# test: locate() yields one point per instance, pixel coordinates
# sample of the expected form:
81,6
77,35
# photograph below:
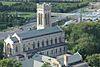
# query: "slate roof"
74,58
37,33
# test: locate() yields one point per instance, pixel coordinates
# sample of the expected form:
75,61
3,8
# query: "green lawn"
24,14
8,3
21,14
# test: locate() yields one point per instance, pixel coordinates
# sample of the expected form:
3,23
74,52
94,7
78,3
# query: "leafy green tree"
84,37
93,60
46,64
31,6
1,49
10,63
67,7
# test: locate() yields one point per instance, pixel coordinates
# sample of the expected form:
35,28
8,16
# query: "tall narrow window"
51,41
39,18
60,39
9,49
33,45
23,47
56,50
48,18
42,43
55,40
45,18
38,45
29,46
51,51
60,49
47,42
16,49
47,53
64,48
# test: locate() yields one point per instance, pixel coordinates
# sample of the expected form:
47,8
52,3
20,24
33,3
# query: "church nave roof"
37,33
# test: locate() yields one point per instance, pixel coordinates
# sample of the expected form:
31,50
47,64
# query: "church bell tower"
43,15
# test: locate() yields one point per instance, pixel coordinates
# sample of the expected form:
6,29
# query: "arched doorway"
8,50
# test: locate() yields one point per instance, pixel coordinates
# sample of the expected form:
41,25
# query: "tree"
46,64
84,37
1,49
10,63
93,60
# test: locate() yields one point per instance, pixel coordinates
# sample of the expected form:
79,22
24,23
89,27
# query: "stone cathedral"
46,40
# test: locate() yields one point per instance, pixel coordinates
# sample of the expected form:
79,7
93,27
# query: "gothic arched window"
9,51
